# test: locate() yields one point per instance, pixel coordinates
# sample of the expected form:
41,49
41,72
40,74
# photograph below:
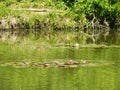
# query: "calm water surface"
103,77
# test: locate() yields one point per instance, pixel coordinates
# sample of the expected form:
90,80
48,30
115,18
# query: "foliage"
102,9
66,15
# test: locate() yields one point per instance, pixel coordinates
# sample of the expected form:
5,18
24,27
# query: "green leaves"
105,9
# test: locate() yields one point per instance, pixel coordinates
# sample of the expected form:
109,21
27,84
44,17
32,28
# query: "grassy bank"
81,12
60,22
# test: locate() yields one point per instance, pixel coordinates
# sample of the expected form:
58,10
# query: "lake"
84,77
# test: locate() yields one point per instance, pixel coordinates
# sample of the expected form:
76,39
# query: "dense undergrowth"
104,11
68,22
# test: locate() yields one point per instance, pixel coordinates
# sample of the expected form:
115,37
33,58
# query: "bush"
102,9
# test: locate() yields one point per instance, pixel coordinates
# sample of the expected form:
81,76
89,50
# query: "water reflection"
84,53
102,77
81,78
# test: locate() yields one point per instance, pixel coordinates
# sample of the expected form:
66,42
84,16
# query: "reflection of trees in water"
101,33
96,31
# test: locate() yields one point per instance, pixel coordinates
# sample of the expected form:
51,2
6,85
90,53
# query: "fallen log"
34,9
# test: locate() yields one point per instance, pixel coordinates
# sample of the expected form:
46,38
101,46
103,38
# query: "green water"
103,77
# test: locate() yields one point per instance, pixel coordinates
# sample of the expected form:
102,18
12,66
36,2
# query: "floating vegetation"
69,64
